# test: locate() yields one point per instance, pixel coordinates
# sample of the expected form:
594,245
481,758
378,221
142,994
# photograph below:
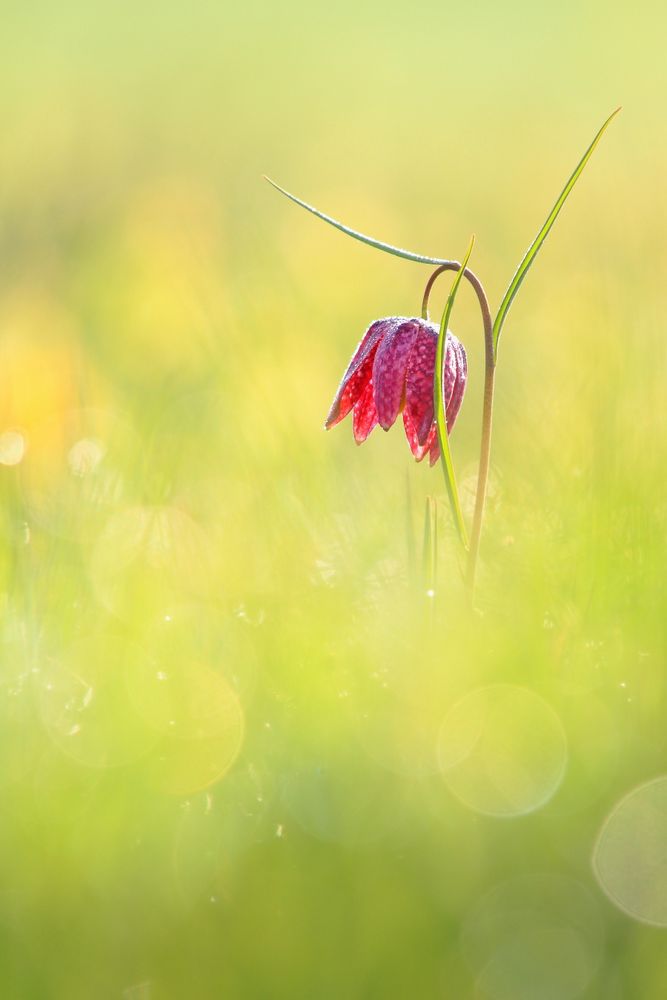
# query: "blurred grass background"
242,752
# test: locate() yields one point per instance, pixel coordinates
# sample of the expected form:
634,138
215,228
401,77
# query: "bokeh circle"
630,856
502,750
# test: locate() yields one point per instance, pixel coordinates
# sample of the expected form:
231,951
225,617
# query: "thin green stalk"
484,459
487,411
439,401
427,546
410,530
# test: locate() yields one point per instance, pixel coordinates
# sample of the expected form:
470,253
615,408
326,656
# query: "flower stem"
484,461
487,412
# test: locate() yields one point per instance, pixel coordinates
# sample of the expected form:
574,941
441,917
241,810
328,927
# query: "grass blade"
427,546
410,531
386,247
441,416
531,252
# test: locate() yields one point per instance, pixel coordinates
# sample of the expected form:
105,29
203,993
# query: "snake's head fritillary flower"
391,371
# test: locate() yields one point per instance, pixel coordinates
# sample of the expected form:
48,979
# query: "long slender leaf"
386,247
532,250
440,411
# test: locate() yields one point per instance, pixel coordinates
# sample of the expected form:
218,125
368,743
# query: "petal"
411,435
432,437
417,449
419,381
350,390
389,370
458,389
434,451
364,415
449,379
359,369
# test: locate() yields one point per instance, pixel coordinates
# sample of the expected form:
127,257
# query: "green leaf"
440,412
531,252
386,247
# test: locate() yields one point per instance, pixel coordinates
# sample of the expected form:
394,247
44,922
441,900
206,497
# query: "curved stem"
453,265
487,411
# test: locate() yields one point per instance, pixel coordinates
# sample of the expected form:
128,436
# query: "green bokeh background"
224,688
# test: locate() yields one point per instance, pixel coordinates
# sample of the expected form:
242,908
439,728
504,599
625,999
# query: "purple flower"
392,371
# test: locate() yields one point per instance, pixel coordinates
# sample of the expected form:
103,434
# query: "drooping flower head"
392,370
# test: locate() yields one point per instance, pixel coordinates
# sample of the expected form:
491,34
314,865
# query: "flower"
392,371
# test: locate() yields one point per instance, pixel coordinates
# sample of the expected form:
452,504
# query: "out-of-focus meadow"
250,747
